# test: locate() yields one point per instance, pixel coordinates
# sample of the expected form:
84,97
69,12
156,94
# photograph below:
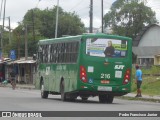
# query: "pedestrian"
12,79
138,81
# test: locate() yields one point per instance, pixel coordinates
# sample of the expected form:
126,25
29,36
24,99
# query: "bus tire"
110,98
84,98
72,99
106,98
44,94
102,98
63,94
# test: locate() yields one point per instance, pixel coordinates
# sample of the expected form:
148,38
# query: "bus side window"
71,53
43,57
56,53
62,52
65,52
77,51
46,53
51,49
58,50
49,53
53,53
75,48
40,54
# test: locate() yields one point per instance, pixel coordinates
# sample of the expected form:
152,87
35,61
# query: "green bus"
76,66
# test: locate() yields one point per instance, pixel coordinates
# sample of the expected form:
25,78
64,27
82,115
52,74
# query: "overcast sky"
16,9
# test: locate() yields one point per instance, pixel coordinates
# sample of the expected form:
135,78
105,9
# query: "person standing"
12,79
138,81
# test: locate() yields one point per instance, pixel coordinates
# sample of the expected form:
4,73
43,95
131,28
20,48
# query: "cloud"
154,4
16,9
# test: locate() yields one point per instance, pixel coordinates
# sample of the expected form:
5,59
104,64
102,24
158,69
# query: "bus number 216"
103,75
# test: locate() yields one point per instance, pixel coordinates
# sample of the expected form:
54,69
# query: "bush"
154,70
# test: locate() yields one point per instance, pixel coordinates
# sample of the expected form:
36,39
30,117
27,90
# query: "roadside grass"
150,85
140,99
151,81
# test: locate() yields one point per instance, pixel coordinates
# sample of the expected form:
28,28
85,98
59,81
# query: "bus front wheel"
63,94
106,98
44,94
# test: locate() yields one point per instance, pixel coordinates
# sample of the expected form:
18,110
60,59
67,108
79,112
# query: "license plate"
102,88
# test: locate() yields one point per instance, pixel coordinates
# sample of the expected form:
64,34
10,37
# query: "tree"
128,17
45,21
41,24
70,24
5,41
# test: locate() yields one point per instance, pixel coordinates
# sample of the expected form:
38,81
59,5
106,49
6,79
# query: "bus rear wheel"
44,94
106,98
84,98
63,94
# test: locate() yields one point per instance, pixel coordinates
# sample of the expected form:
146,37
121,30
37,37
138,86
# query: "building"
146,46
25,70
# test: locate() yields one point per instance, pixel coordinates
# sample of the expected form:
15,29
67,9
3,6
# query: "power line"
76,5
38,3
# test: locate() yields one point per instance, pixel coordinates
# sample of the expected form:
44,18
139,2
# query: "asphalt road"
30,100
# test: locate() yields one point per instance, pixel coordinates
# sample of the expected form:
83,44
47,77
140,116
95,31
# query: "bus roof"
105,35
54,40
78,37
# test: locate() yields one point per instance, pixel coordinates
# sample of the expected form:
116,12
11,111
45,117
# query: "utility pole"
26,43
4,13
91,16
102,16
2,30
9,22
33,25
56,29
18,44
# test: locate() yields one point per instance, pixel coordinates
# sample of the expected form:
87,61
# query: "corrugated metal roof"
24,61
141,33
21,62
146,51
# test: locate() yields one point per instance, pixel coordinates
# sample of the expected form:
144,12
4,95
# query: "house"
146,46
25,70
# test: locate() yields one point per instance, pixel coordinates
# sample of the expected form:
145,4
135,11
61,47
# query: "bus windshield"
103,47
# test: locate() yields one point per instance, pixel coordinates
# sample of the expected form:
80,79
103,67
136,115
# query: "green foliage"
70,24
44,22
128,18
150,85
151,81
155,70
5,42
40,24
